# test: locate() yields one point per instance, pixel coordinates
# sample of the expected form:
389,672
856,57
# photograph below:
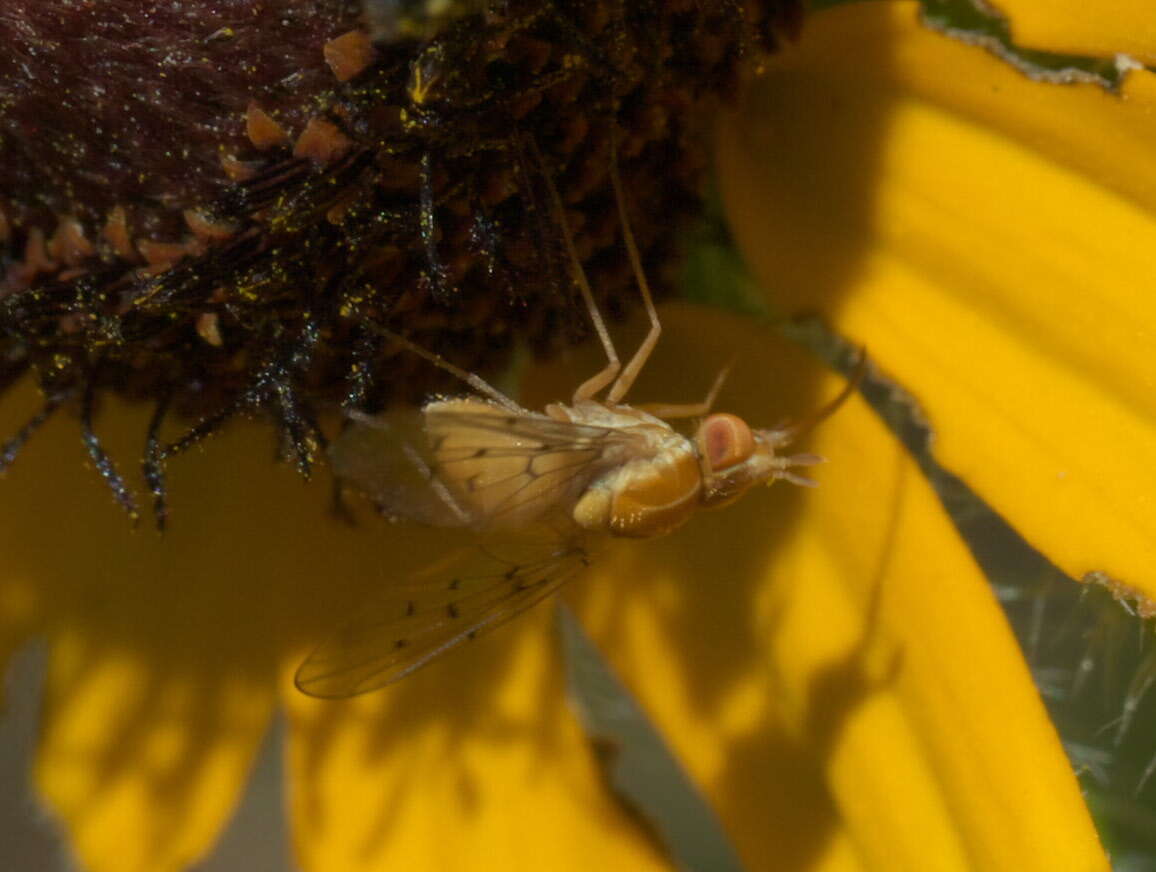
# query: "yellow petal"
479,757
164,663
475,762
1069,26
991,240
19,605
160,684
143,764
831,733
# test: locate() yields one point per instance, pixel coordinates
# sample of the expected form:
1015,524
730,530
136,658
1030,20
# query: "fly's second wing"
508,469
411,623
383,457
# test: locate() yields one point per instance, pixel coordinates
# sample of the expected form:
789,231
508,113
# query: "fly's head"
736,457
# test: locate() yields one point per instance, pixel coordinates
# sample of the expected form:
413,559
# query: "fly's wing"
510,469
383,457
411,623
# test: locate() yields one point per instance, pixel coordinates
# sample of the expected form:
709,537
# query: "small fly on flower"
540,486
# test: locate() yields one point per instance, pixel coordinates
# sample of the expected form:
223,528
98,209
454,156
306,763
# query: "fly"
542,486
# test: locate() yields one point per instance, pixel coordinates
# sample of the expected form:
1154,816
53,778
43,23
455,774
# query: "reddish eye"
725,440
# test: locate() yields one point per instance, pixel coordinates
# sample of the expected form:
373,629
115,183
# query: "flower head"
830,667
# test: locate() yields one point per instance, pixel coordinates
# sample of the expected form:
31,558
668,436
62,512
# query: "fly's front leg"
674,411
787,432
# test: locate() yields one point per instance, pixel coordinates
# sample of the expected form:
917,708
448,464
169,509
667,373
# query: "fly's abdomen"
645,497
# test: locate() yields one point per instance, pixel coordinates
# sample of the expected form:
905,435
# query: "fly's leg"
626,378
541,231
785,434
673,411
474,380
613,367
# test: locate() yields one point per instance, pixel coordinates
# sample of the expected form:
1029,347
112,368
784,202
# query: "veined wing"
385,458
507,469
411,623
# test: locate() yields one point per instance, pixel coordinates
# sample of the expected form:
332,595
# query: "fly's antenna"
607,374
634,367
474,380
788,433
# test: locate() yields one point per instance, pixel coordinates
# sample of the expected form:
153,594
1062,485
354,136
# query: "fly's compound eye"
725,440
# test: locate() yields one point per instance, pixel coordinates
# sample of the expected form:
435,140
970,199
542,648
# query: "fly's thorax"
617,417
649,494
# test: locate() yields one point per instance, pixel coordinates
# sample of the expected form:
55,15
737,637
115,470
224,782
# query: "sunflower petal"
475,762
1070,26
990,249
848,694
638,763
162,650
144,767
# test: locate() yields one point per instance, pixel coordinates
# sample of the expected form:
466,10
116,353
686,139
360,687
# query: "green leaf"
638,764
